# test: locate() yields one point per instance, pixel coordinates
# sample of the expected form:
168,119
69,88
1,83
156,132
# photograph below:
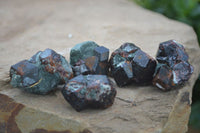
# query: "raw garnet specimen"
89,58
130,64
41,73
89,91
173,68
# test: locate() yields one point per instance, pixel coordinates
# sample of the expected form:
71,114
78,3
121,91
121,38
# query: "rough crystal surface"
163,77
132,64
89,91
171,52
80,68
89,58
41,73
173,68
82,51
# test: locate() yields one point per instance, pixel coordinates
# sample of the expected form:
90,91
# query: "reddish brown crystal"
173,69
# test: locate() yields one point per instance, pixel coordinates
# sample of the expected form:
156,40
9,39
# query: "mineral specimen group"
130,64
89,91
89,58
173,68
41,73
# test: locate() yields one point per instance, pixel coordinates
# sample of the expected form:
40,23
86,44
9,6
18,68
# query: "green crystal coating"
82,51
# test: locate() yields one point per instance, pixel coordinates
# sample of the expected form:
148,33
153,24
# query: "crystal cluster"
173,68
89,58
91,88
130,64
41,73
89,91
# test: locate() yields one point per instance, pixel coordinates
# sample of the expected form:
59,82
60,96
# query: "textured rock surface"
41,73
89,91
17,118
30,26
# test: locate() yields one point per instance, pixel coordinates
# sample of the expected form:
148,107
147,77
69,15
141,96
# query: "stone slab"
29,26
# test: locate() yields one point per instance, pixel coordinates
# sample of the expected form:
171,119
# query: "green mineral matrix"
41,73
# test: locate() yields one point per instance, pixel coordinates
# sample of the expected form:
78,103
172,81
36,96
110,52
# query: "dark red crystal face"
163,78
143,67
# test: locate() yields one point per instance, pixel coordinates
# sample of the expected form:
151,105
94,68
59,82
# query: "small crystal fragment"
89,91
142,65
173,68
41,73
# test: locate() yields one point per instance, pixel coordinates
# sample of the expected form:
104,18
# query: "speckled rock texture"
28,26
41,73
90,91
